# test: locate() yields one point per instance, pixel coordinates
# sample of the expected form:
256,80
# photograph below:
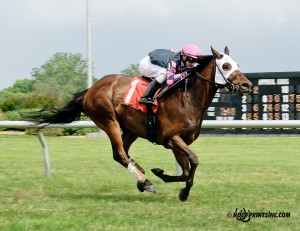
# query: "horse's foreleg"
183,163
193,160
178,145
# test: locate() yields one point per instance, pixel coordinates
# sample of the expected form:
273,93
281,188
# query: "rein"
217,85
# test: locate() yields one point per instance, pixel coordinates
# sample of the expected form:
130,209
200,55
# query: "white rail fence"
90,124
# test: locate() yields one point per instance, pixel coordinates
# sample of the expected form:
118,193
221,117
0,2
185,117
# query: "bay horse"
178,118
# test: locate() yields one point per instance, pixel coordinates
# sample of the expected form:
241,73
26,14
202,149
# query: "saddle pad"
134,92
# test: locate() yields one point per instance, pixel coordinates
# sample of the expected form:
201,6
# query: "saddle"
135,91
137,88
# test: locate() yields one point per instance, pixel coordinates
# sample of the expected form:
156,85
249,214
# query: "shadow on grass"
113,195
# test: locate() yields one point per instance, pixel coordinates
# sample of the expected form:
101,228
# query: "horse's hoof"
157,171
150,188
147,185
140,186
182,196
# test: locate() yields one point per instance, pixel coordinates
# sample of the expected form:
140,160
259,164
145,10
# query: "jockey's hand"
180,76
191,69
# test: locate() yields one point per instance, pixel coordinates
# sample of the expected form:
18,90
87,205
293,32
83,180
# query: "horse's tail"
69,113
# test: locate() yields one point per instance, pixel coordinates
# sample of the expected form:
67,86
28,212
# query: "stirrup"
145,100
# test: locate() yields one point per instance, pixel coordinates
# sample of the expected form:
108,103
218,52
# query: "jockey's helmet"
191,50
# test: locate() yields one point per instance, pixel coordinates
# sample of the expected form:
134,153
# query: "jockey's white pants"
150,70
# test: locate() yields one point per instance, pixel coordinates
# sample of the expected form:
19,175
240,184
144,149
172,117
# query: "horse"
177,121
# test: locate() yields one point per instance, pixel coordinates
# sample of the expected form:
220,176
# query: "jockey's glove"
191,70
173,78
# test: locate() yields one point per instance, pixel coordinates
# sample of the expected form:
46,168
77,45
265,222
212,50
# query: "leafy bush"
62,131
11,103
13,115
2,116
79,131
41,101
46,131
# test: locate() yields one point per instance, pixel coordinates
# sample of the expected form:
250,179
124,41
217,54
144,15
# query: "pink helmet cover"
191,50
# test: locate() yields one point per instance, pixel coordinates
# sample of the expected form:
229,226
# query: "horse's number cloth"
134,92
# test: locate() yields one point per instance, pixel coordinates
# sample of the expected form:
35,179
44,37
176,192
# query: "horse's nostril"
245,85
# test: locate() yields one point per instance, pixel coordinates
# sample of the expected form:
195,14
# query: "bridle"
229,85
228,82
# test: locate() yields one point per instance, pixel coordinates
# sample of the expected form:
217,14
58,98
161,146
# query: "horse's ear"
226,50
215,53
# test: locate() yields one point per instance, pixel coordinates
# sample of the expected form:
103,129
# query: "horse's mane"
203,61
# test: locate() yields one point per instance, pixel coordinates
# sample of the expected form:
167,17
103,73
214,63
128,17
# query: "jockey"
167,65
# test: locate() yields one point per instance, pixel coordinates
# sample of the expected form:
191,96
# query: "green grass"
90,191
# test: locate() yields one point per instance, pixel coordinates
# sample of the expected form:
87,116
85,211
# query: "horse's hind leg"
128,138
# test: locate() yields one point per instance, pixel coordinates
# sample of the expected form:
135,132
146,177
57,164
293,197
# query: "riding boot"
147,98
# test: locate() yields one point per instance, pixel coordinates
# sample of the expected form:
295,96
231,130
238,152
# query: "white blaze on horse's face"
225,67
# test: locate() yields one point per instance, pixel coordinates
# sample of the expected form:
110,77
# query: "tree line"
51,85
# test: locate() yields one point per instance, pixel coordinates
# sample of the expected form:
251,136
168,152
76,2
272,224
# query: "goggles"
191,60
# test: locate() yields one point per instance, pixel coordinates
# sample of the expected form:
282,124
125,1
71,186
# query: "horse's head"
228,73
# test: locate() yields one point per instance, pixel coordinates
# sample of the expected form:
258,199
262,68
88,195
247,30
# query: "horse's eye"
226,66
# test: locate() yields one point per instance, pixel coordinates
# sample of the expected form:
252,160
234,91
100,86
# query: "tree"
22,86
10,101
132,70
63,75
11,98
51,85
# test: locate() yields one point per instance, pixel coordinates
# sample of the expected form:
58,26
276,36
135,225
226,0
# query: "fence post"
46,153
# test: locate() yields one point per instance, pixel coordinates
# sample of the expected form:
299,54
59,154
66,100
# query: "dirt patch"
11,133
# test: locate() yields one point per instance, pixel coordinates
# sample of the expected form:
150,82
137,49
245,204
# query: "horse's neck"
203,91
